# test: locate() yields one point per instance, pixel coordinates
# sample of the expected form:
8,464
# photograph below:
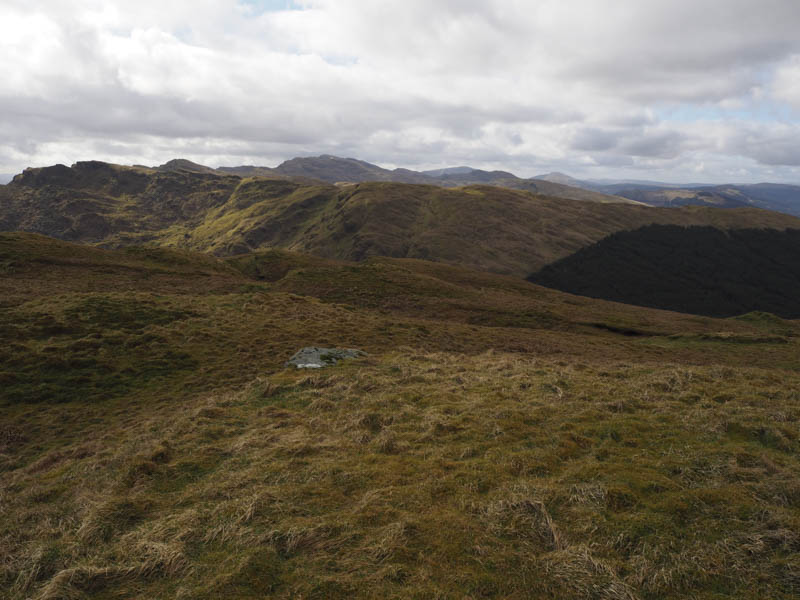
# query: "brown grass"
514,457
355,482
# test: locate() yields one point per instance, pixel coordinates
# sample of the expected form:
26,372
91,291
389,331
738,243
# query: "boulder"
312,357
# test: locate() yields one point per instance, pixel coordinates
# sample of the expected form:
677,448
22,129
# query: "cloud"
576,85
787,81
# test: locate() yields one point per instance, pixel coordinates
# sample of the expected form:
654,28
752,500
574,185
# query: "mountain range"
331,169
335,170
769,196
187,206
480,226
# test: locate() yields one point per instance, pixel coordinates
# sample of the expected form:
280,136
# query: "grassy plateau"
500,440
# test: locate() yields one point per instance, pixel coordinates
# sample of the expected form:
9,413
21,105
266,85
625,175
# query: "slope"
499,441
492,229
698,270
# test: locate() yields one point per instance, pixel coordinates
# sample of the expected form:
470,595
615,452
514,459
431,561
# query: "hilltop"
500,440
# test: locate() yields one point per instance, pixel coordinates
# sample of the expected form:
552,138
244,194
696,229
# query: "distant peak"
558,177
463,170
182,164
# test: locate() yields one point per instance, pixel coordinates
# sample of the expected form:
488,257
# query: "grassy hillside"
482,227
501,440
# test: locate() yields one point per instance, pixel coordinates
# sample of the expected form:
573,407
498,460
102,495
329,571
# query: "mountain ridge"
333,169
484,227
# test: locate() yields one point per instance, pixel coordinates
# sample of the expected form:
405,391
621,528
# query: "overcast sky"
677,90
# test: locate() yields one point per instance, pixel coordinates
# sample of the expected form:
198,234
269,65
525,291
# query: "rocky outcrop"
312,357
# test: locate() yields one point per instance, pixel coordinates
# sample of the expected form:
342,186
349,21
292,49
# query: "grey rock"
312,357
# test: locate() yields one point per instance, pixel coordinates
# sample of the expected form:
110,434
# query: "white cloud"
523,85
787,81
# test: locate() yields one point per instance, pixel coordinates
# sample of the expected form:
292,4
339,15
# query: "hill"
563,179
333,169
500,440
537,186
777,197
769,196
448,171
488,228
181,164
699,270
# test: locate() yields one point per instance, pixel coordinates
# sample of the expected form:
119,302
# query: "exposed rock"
312,357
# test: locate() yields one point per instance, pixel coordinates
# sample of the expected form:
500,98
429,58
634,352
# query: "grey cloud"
592,139
783,153
774,146
662,144
501,83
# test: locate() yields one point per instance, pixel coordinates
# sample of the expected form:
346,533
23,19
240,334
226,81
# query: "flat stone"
312,357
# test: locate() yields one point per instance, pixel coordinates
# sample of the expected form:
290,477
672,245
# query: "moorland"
501,439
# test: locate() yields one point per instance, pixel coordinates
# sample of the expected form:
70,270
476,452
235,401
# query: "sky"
668,90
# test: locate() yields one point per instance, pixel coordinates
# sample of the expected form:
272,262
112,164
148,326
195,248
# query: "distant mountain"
248,171
769,196
699,270
181,164
563,179
620,184
448,171
483,227
612,186
333,169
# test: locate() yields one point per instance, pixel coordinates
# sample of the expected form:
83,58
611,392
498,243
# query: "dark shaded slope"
699,270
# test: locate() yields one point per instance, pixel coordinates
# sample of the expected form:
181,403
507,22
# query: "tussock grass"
422,475
496,443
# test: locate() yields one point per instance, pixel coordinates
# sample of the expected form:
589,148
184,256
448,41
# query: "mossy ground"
500,440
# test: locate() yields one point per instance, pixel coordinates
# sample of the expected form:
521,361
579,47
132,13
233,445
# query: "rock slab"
312,357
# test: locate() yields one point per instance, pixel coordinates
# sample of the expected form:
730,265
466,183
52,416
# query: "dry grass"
359,482
480,451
